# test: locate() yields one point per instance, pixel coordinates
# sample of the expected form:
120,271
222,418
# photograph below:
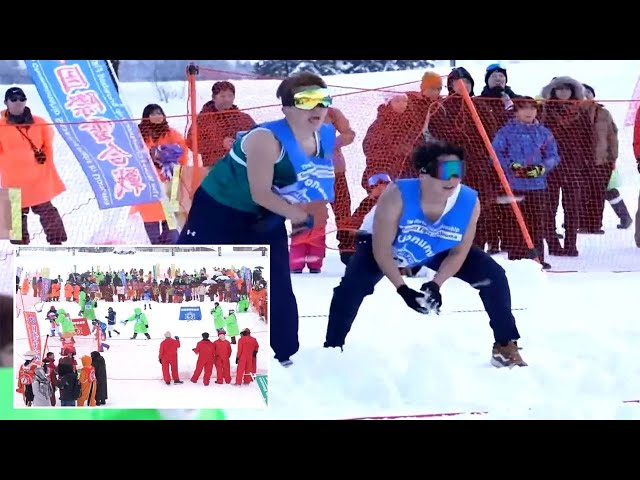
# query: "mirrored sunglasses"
449,169
310,99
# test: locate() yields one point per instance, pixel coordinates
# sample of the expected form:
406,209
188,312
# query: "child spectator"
527,152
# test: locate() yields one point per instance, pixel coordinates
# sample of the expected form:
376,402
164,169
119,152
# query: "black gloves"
426,300
160,360
432,296
411,297
237,360
255,354
177,337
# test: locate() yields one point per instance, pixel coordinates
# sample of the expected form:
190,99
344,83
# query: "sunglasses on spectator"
310,99
16,98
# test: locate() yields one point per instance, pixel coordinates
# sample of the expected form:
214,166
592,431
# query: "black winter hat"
495,67
459,73
14,92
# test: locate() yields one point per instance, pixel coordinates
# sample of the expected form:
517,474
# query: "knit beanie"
495,67
430,80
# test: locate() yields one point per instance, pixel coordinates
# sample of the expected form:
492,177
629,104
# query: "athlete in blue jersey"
250,193
428,221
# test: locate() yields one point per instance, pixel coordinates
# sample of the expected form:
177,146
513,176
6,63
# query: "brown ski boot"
506,356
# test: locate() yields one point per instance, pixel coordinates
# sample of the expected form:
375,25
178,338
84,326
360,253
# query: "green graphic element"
7,412
263,384
15,200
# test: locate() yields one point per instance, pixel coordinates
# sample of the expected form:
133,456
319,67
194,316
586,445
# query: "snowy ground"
135,376
579,336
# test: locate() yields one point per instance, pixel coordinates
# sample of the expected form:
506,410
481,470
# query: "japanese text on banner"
33,333
87,110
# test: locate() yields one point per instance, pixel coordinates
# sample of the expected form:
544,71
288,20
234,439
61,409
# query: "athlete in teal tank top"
228,182
427,222
251,192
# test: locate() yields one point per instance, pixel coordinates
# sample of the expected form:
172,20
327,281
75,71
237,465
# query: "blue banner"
190,313
46,286
248,278
82,101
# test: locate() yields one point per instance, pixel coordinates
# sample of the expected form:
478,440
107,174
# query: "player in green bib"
250,193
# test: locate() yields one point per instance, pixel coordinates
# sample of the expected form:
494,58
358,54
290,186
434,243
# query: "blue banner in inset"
83,102
190,313
46,287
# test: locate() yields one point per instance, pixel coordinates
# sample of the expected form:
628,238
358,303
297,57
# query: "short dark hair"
426,154
296,83
222,86
523,101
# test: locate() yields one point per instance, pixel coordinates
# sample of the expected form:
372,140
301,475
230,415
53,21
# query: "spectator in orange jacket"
168,357
156,132
247,352
222,353
26,162
55,292
205,351
87,383
219,122
387,145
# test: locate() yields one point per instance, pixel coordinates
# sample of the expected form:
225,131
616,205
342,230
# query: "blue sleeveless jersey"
418,239
315,175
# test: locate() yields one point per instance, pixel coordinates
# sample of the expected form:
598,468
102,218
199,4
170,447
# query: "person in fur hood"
563,88
566,114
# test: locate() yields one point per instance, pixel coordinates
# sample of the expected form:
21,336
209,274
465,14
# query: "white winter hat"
30,354
167,334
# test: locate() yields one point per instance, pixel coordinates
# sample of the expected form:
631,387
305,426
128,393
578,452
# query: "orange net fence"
384,128
544,196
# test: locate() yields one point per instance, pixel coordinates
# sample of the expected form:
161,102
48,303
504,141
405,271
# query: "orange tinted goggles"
310,99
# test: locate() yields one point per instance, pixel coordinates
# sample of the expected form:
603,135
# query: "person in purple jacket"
527,152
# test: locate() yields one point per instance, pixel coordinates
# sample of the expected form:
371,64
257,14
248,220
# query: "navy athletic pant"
211,223
362,275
